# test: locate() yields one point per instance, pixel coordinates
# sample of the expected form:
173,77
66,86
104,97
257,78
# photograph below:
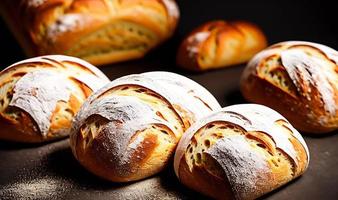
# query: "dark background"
49,171
283,20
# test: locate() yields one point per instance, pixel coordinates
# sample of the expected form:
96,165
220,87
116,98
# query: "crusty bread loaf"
240,152
219,44
40,96
299,80
100,31
129,129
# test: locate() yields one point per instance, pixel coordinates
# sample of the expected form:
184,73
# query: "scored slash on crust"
46,92
145,115
245,145
304,75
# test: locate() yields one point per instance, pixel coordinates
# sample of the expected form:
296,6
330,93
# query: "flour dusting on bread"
65,23
243,167
306,72
35,3
194,41
37,94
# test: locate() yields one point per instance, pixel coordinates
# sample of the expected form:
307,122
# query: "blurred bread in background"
99,31
218,44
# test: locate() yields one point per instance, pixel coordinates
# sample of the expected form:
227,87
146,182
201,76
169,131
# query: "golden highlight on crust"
20,108
218,44
298,79
241,160
150,157
100,31
129,129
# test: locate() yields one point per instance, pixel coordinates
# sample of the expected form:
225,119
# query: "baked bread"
129,129
240,152
39,96
218,44
299,80
100,31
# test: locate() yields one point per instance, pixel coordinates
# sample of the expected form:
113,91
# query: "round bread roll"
40,96
129,129
99,31
218,44
240,152
299,80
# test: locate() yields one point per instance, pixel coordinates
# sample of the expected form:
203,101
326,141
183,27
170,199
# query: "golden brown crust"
149,158
298,79
240,152
129,129
19,130
100,31
200,180
219,44
40,96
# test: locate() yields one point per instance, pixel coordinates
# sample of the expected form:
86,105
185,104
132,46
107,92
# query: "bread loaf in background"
240,152
100,31
40,96
218,44
129,129
299,80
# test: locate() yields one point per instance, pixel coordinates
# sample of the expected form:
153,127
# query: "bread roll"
129,129
40,96
100,31
240,152
299,80
218,44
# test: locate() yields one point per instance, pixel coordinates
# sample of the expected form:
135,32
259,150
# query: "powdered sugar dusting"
263,119
37,94
199,37
94,79
136,142
178,85
172,87
306,72
251,117
35,3
219,115
242,166
63,24
194,41
38,91
93,82
69,59
171,8
252,65
329,52
127,116
64,62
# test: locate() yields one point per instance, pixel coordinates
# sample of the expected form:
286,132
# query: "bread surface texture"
299,80
218,44
98,31
40,96
240,152
129,129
